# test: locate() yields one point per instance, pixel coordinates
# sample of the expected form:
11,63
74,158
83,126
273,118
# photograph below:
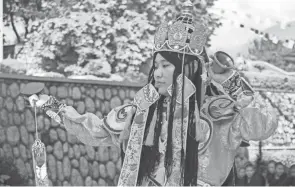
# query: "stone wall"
69,161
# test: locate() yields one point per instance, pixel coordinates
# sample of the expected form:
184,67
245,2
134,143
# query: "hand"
38,101
217,75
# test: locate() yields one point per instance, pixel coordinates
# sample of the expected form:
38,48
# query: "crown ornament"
183,35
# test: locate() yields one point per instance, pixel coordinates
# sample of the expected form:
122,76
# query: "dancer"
184,127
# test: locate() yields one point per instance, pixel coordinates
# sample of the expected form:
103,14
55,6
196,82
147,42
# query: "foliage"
266,50
95,32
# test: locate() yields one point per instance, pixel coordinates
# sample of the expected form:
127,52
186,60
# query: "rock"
94,183
92,93
103,154
2,135
15,152
10,119
114,153
88,181
111,169
77,151
84,169
49,149
107,106
52,167
101,182
122,94
23,152
40,120
115,101
95,170
1,153
53,136
20,165
14,90
16,119
47,124
66,147
132,94
116,179
90,106
100,94
4,117
76,93
97,104
1,102
30,124
9,103
58,151
76,179
20,104
71,153
52,90
24,135
62,135
126,101
90,152
54,123
62,92
82,150
13,135
7,150
108,94
67,167
114,91
81,107
45,90
60,174
31,140
29,169
99,114
82,89
75,163
70,102
119,165
66,183
3,93
102,171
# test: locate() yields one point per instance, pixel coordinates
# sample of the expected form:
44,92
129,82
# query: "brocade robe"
220,129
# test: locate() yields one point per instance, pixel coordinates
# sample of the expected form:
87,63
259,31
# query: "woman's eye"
166,65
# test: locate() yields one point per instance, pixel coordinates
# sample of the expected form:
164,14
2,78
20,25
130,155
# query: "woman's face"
249,171
279,170
242,172
271,167
163,74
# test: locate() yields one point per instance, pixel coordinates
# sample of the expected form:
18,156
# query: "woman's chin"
163,91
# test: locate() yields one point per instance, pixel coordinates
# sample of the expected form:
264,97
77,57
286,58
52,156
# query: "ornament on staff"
30,92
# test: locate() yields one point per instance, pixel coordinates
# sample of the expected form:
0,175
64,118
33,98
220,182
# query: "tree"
94,33
267,51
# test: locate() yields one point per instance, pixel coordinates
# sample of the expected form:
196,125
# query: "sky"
233,39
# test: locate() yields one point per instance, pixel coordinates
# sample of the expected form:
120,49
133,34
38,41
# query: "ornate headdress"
183,35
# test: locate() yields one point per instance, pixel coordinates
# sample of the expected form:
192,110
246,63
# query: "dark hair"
271,162
249,165
279,164
150,155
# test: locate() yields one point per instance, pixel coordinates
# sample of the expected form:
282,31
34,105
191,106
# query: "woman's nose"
158,72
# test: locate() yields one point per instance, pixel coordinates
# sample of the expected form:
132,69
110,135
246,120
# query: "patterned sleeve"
89,128
258,120
92,130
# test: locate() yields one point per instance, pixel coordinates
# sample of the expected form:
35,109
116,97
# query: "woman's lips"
157,83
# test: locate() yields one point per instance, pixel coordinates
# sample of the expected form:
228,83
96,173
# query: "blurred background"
95,55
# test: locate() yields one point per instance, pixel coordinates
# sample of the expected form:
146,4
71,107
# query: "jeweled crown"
184,34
